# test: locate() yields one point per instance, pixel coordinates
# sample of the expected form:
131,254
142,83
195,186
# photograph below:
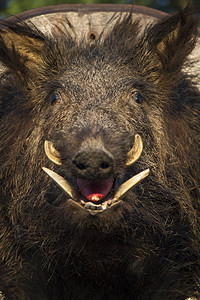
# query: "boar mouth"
98,203
100,195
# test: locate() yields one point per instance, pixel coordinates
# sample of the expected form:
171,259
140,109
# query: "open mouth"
100,195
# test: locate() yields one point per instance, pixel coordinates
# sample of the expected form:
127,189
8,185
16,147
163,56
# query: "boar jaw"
109,201
94,209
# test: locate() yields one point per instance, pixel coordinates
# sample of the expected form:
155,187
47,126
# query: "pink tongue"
95,190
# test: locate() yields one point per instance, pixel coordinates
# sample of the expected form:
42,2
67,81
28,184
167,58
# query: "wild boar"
99,163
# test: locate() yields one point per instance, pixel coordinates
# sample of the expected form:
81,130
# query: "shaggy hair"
80,96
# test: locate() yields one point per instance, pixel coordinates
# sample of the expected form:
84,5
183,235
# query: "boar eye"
136,97
55,98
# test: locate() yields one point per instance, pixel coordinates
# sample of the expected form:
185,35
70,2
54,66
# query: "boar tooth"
61,182
100,207
126,186
104,205
93,207
52,153
90,205
135,152
83,202
109,202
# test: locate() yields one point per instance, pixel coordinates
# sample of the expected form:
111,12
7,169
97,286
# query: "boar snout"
93,164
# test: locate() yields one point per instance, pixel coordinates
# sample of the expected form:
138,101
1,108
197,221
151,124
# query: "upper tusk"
126,186
136,151
52,153
61,182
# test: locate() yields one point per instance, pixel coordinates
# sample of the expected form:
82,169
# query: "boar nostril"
105,165
81,166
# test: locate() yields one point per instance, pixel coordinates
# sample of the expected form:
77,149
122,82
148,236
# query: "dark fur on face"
94,98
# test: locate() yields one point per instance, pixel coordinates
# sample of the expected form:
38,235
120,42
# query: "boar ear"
21,50
172,40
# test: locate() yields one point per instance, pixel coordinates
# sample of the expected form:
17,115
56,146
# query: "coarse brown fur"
149,246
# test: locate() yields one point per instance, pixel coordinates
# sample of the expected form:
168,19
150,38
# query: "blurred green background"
12,7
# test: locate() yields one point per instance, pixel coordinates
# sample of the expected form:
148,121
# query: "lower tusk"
135,152
61,182
126,186
52,153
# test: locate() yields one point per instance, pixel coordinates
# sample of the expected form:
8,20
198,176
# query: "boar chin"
104,194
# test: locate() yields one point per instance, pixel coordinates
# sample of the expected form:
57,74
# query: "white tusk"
126,186
135,152
52,153
61,182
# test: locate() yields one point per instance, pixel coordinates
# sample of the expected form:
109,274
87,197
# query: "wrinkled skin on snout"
99,155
